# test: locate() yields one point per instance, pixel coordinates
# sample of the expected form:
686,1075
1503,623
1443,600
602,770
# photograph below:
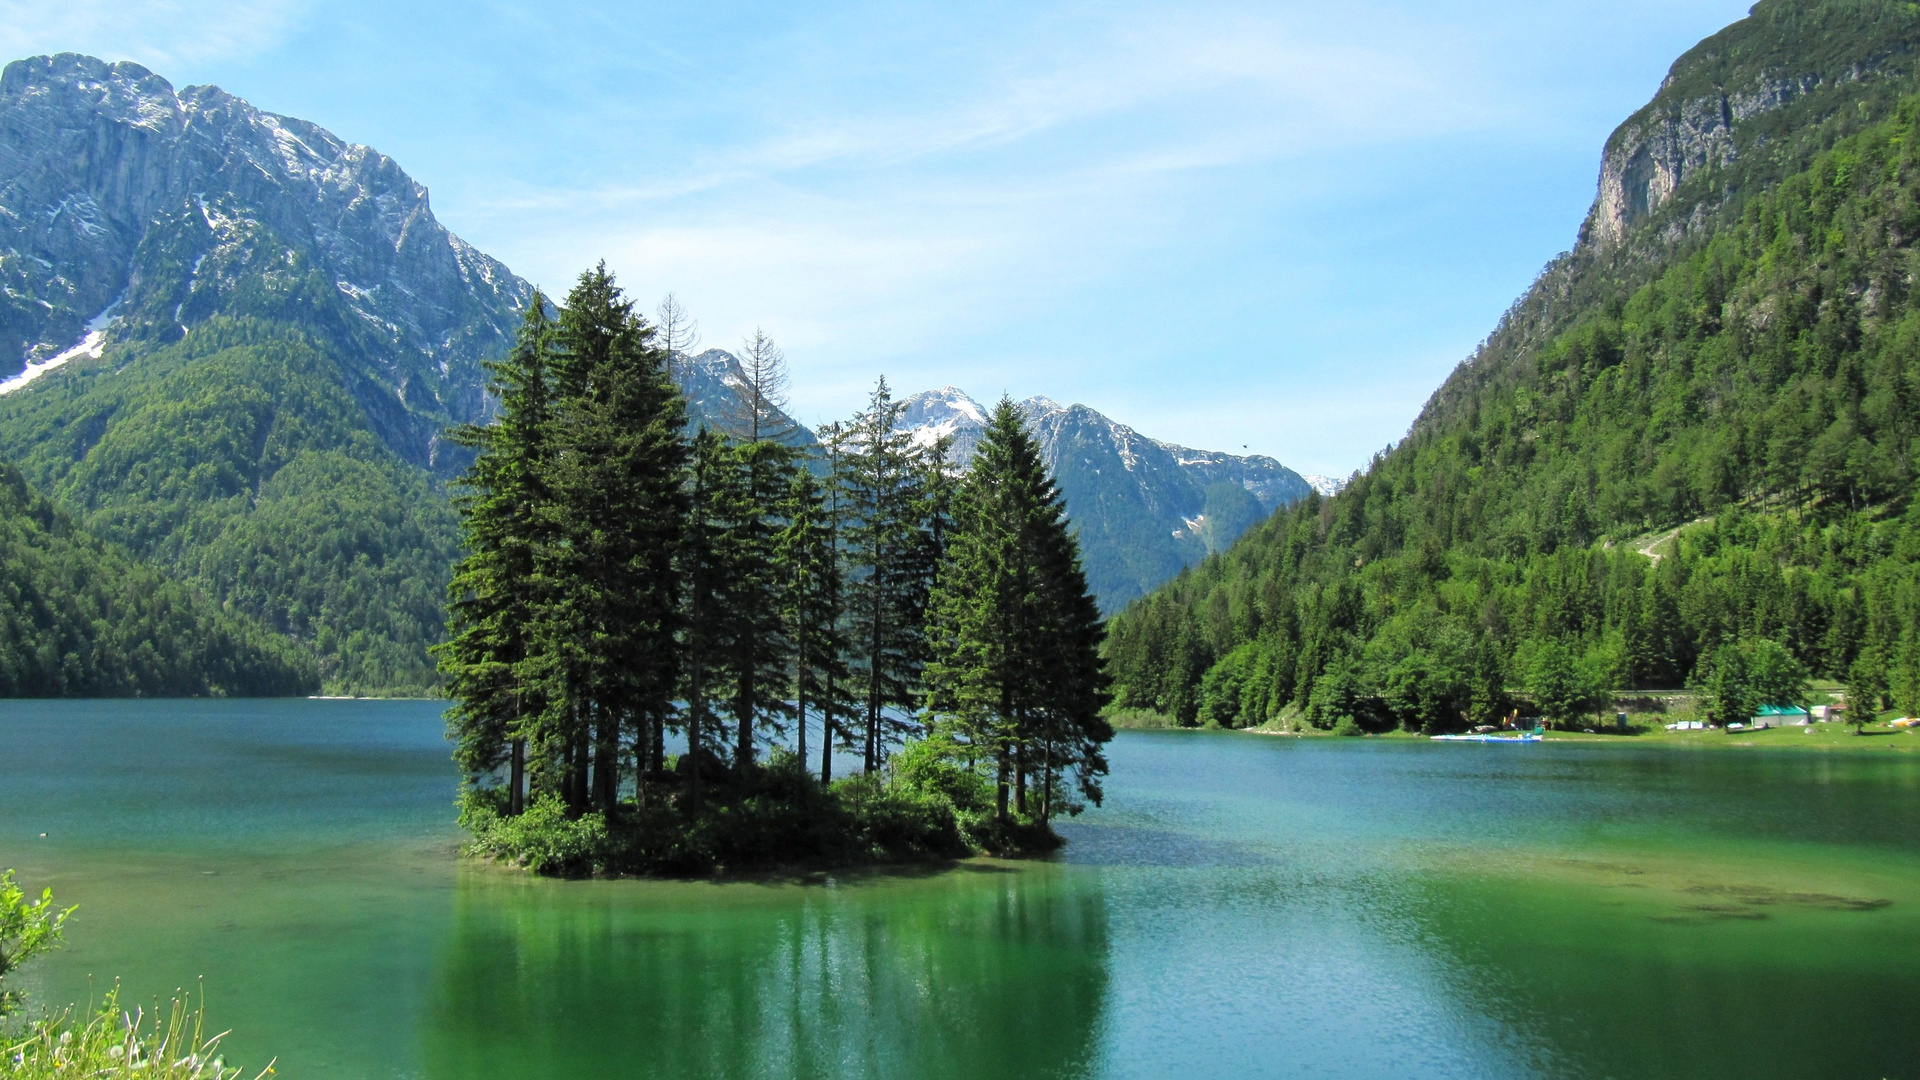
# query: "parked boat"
1526,736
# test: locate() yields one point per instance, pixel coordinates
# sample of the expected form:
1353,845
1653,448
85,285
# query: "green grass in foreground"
169,1045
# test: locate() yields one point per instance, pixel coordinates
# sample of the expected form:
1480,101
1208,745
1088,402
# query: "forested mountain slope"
238,460
1732,349
79,618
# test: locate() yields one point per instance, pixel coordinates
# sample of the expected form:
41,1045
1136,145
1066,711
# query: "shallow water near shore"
1240,907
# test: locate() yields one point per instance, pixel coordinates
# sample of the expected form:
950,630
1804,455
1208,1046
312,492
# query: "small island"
632,579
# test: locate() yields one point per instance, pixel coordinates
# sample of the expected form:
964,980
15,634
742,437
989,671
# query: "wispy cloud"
161,34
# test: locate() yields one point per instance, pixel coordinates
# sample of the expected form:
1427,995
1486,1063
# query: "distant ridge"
1144,509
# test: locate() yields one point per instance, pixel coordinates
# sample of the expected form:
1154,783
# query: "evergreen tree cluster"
630,583
1669,451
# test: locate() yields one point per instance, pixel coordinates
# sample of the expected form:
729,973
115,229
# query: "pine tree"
495,592
811,579
611,628
758,658
888,545
707,566
1014,635
836,681
676,333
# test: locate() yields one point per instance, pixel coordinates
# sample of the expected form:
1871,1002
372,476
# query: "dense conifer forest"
630,585
80,618
1685,459
237,461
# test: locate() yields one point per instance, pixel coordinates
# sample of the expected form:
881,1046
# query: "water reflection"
976,973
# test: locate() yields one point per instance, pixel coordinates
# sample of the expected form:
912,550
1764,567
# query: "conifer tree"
888,538
611,622
1015,634
836,682
811,578
495,592
708,565
757,660
676,333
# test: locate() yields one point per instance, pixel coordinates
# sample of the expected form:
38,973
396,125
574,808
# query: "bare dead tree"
761,396
676,332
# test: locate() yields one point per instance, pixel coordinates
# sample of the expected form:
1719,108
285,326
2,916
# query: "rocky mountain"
713,382
1144,509
137,212
234,341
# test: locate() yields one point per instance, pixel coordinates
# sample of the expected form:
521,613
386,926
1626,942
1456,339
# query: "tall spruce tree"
892,549
811,579
612,618
757,661
1015,635
836,684
495,593
709,563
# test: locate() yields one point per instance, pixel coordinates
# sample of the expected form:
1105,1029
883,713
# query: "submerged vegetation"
628,582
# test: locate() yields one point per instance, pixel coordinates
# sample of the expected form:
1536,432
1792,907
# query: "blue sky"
1271,225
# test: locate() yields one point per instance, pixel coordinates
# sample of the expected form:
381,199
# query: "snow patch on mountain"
1143,508
1325,485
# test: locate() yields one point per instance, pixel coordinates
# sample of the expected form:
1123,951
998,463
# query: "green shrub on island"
929,806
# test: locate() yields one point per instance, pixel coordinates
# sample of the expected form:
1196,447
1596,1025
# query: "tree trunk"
746,704
1001,785
606,762
1046,792
800,706
517,779
826,736
1020,780
873,679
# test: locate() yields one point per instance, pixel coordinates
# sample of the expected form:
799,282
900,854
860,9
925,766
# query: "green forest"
237,461
628,584
1681,462
81,618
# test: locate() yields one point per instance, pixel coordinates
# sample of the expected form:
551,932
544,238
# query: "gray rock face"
120,196
1144,509
1652,155
1785,57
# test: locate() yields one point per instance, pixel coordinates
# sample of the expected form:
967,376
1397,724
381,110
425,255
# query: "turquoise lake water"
1242,906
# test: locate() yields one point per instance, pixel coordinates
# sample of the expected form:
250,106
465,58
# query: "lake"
1242,906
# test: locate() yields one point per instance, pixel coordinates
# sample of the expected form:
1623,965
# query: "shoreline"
1825,737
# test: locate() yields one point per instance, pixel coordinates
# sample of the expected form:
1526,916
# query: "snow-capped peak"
1327,486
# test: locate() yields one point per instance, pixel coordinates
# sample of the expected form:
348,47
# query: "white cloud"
162,34
871,234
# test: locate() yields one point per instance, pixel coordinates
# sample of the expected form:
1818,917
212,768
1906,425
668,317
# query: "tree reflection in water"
980,971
